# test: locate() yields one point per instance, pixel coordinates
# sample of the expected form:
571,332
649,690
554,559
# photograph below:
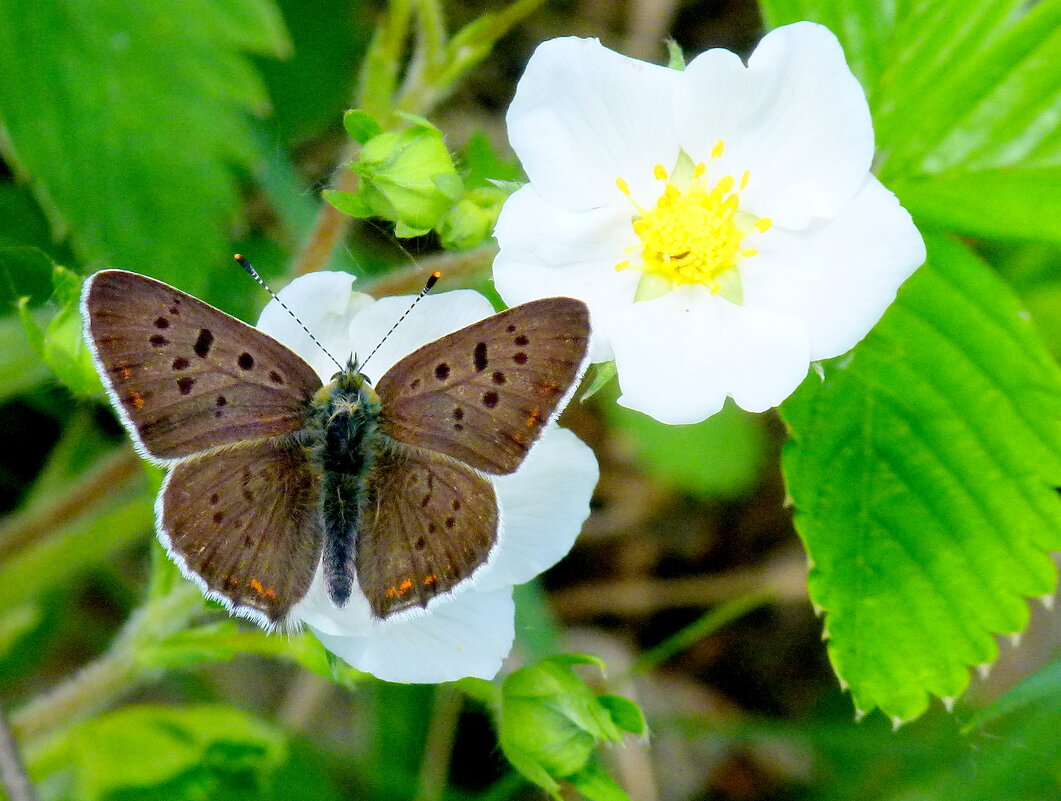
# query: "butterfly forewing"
245,522
484,393
188,376
428,522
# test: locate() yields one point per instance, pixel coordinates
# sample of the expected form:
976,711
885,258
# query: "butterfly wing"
243,522
427,523
186,376
483,394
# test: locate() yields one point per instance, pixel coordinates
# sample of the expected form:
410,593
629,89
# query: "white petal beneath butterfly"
272,474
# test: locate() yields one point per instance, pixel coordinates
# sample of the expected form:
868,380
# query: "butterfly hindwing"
187,376
427,522
483,394
245,522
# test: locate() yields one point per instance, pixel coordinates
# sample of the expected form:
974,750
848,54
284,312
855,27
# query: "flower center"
695,233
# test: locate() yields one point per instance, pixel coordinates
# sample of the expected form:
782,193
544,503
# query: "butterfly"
272,474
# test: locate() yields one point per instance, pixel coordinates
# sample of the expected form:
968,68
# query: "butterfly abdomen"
342,439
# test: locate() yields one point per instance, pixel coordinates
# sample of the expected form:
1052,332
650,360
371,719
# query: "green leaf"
59,343
225,640
481,167
361,125
603,373
675,55
352,203
721,457
922,471
208,751
625,713
20,365
1036,691
596,785
311,87
129,154
957,89
996,204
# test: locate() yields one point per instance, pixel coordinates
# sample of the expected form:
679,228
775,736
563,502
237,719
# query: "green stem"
712,621
379,75
466,50
430,50
116,672
438,750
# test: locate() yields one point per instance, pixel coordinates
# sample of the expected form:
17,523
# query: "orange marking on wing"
137,399
429,580
270,593
532,421
405,585
391,592
124,367
257,586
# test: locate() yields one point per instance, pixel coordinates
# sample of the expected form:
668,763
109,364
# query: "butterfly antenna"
246,265
431,281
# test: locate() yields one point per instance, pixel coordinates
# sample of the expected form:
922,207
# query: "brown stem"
26,527
331,223
12,771
456,267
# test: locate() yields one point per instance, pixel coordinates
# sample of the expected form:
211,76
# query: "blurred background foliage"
162,137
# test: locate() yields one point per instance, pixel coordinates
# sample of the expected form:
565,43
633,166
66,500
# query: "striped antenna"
431,281
246,265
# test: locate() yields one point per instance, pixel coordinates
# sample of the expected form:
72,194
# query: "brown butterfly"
271,473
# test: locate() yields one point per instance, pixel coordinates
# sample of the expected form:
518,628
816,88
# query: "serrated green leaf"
192,752
922,472
127,119
996,204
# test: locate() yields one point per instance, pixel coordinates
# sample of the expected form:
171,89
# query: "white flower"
469,631
720,222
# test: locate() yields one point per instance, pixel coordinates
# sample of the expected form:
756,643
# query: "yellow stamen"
695,232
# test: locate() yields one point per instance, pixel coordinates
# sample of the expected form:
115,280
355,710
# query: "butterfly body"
272,475
342,439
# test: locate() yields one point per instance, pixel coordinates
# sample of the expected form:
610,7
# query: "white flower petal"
547,251
584,115
543,506
435,316
837,277
470,636
325,303
532,227
679,356
796,118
